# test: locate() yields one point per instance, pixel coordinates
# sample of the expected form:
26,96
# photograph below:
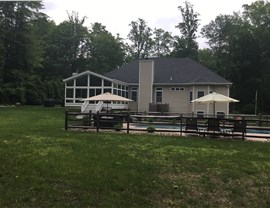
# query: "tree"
106,51
222,35
207,58
186,45
140,37
67,47
257,16
162,43
16,39
240,45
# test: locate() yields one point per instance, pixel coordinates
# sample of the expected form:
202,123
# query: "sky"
116,15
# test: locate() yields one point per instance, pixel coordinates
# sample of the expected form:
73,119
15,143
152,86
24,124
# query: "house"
158,84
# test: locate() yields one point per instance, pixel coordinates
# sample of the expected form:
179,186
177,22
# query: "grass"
42,165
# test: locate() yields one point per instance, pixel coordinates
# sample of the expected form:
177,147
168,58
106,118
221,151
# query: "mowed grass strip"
42,165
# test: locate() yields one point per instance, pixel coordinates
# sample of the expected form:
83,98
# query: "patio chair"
213,126
239,126
191,125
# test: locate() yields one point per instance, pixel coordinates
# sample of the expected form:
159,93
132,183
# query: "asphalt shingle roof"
169,70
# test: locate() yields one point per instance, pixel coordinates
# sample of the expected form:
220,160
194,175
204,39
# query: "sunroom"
89,84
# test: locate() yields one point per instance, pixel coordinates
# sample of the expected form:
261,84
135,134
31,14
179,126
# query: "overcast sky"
116,15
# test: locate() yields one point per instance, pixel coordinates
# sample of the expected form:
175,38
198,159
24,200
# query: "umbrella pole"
214,108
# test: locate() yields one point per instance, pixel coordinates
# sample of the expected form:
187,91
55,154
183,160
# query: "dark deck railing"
221,126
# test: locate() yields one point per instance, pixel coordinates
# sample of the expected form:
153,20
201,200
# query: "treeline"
36,54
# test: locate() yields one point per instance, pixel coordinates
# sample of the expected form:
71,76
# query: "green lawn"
42,165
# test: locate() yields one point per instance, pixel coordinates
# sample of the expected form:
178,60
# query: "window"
134,93
200,114
190,96
107,83
82,81
177,89
200,94
70,83
98,91
69,93
92,92
107,90
95,81
81,93
159,93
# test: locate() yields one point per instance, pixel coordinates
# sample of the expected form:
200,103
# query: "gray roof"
170,71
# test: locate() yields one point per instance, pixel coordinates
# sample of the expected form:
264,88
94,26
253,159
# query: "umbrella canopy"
107,97
213,98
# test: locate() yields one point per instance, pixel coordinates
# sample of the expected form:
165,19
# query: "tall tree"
186,45
67,47
162,43
222,34
16,21
140,37
240,44
106,51
257,16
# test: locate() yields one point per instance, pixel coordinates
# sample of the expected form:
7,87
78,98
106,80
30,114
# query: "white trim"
193,92
228,104
152,81
196,83
95,74
158,90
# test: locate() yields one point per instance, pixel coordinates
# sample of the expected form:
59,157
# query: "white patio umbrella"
213,98
107,97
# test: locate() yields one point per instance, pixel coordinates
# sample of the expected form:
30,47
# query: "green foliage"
150,120
151,129
118,126
186,45
107,52
141,40
241,52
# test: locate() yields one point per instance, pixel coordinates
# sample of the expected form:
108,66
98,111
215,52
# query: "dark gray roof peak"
169,70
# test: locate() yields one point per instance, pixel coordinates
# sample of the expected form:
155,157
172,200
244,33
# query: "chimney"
146,80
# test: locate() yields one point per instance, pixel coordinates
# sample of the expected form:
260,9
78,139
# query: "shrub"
151,129
248,108
118,126
150,120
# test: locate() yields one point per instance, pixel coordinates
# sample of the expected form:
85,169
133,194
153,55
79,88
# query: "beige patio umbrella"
213,98
107,97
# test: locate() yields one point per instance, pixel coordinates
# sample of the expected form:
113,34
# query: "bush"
118,126
32,97
49,102
4,96
151,129
248,108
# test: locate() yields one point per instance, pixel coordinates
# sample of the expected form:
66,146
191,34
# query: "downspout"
208,103
193,94
228,104
65,94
